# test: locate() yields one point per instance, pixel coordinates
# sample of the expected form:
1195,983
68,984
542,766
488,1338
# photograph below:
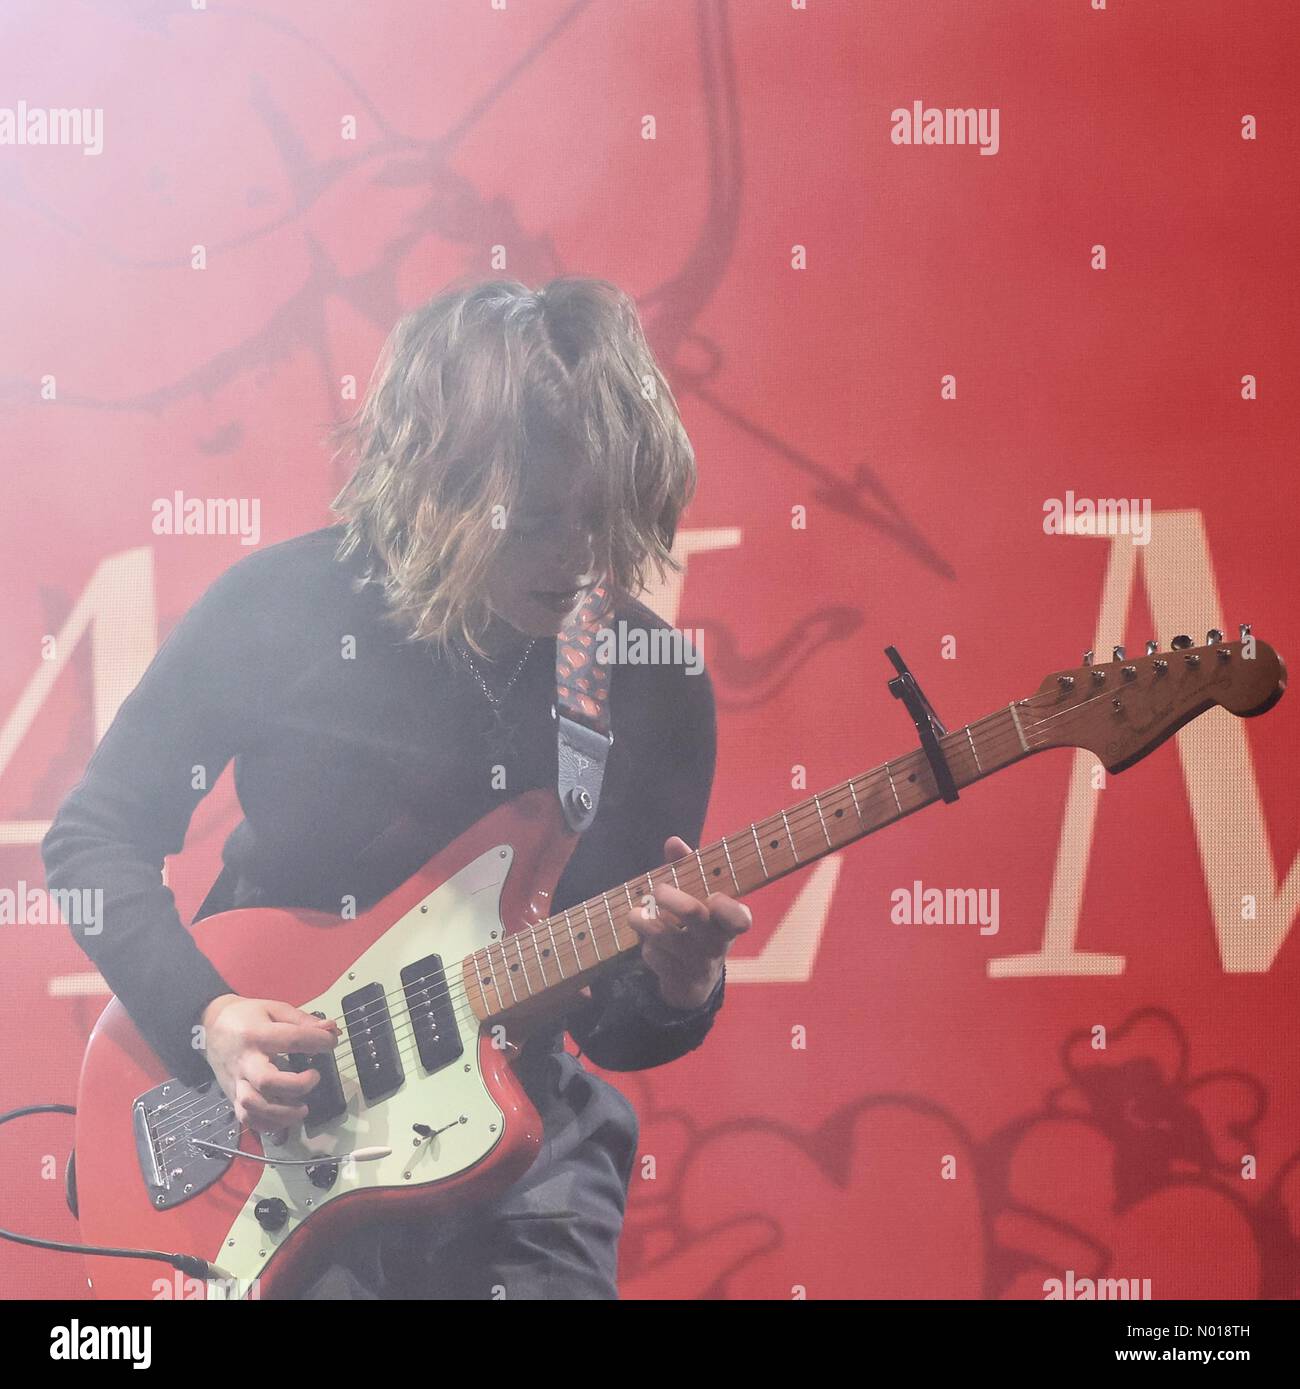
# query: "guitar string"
743,856
800,821
404,1033
808,818
400,1034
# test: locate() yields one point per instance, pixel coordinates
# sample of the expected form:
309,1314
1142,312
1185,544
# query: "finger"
257,1112
291,1037
286,1012
281,1087
688,936
644,916
679,907
676,847
658,924
733,917
649,923
715,922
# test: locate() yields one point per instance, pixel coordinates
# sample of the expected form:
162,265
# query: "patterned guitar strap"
581,710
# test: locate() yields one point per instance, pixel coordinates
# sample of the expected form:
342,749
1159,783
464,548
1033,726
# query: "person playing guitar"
384,683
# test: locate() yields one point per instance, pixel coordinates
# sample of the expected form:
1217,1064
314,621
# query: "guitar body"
141,1183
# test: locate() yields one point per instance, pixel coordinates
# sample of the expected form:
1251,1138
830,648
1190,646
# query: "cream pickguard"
457,919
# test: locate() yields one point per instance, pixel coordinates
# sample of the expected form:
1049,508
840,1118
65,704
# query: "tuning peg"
1181,643
1213,637
1245,630
1152,647
1087,658
1117,653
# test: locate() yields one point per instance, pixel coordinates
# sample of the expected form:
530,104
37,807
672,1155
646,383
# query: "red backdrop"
808,284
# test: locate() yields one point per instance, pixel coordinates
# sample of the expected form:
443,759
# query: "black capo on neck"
927,723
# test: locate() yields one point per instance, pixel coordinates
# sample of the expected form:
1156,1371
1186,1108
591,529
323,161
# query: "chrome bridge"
165,1121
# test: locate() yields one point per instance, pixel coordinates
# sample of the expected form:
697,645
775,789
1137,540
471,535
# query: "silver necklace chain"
496,700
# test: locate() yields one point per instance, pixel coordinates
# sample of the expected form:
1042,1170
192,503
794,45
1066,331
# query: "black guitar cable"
189,1264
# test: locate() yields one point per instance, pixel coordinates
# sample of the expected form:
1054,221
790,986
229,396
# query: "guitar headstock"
1123,708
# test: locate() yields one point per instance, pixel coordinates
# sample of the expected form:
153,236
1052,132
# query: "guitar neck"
548,959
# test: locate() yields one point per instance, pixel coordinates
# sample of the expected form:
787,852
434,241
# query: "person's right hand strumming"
242,1036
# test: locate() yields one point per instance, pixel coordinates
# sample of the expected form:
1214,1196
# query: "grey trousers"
552,1235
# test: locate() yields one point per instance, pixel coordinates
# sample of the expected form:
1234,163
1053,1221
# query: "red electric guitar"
418,1104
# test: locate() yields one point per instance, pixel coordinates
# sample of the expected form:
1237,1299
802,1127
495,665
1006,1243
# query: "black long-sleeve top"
336,725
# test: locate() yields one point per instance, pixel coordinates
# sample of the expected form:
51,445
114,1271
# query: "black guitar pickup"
433,1017
370,1032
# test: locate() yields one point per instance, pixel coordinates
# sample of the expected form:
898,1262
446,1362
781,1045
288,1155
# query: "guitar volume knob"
323,1175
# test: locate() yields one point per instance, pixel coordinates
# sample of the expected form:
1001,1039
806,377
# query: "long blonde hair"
461,387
